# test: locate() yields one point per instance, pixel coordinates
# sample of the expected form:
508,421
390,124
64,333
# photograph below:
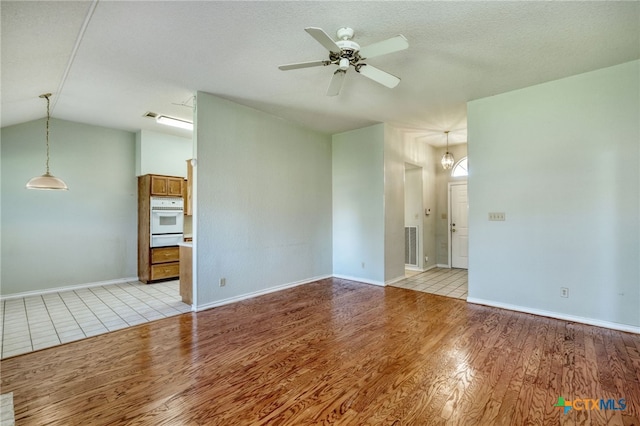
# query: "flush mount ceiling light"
47,180
174,122
447,160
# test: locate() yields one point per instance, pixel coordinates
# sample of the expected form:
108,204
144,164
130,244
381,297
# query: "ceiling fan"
347,53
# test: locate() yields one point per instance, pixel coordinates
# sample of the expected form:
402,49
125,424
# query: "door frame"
449,248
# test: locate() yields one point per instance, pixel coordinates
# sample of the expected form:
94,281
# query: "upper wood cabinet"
188,197
166,185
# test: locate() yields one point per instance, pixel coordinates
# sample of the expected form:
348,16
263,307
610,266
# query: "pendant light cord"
46,96
447,132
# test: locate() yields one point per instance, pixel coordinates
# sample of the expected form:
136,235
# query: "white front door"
459,226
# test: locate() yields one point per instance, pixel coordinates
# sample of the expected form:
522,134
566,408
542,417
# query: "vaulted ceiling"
109,62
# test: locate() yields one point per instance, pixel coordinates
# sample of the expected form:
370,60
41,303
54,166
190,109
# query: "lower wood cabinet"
165,270
162,263
186,274
165,254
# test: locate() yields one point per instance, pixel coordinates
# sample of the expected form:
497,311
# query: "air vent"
150,114
411,245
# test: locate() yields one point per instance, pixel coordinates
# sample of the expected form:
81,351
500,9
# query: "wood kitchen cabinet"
158,263
186,273
188,190
165,263
169,186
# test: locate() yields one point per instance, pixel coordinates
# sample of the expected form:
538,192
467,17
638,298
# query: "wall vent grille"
411,245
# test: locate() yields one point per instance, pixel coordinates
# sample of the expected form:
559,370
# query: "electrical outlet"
497,216
564,292
223,282
362,265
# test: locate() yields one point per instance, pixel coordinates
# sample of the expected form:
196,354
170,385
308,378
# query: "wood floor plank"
333,352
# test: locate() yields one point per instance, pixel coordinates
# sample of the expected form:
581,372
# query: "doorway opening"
458,225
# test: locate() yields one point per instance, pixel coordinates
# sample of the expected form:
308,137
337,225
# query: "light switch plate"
497,216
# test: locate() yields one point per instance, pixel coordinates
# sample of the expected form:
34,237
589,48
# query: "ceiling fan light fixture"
174,122
447,160
47,181
344,64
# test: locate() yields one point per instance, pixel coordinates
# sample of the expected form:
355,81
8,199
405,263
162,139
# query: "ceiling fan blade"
390,45
378,75
324,39
336,83
303,65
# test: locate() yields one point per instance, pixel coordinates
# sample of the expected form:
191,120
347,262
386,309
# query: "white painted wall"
54,239
162,154
358,204
263,203
394,160
562,160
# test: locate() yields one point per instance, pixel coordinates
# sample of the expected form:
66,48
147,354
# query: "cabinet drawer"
165,254
165,270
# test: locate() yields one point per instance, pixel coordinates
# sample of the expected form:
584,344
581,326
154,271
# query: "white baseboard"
395,280
67,288
431,267
412,268
556,315
360,280
443,265
253,294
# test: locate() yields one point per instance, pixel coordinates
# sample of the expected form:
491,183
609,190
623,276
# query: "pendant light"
47,180
447,159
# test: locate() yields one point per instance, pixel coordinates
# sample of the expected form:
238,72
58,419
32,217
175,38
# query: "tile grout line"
141,301
55,329
76,318
92,311
130,286
71,312
127,304
111,307
26,314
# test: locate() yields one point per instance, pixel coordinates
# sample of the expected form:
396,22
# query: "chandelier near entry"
447,160
47,180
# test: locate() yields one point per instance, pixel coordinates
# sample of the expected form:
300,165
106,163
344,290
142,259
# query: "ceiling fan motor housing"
345,33
348,45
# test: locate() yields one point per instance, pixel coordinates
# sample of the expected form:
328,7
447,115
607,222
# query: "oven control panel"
167,203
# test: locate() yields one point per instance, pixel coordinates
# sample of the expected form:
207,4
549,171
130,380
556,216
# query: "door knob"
453,230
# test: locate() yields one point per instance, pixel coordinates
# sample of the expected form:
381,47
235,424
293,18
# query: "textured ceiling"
138,56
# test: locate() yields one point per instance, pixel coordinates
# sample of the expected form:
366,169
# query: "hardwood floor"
333,352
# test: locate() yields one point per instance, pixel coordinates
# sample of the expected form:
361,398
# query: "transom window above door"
460,169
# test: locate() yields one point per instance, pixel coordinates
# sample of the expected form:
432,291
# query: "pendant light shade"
447,160
47,180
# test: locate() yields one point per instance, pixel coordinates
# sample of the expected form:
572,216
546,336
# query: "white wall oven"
167,221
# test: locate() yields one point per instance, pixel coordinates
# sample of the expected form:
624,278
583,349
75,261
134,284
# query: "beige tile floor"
7,416
441,281
37,322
